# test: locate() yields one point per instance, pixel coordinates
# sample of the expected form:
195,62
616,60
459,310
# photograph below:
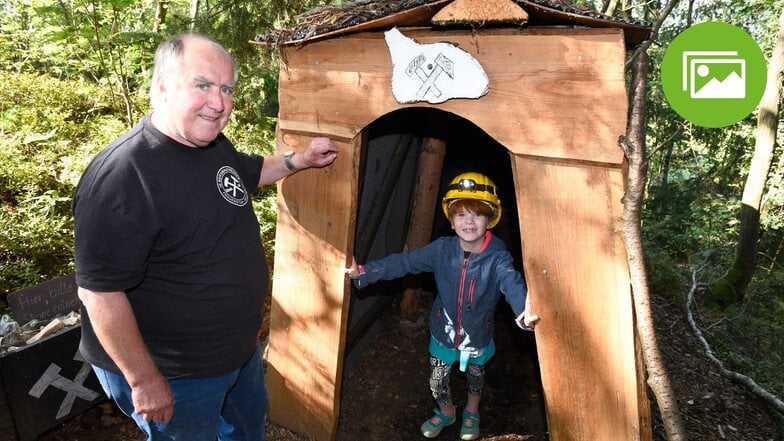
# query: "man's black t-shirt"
174,228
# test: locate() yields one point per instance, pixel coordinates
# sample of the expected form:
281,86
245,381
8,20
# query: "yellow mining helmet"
476,186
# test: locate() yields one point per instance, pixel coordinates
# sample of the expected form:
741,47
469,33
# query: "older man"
170,267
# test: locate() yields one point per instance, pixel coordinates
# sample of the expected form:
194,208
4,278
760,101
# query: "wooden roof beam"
482,12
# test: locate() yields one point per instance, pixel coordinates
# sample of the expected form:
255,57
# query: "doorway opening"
379,338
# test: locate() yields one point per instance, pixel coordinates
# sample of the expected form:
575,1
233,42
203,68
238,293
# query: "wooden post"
425,205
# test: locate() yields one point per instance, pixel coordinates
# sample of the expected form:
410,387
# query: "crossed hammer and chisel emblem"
442,64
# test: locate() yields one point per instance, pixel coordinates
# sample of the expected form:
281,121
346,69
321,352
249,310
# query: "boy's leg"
475,379
440,374
439,386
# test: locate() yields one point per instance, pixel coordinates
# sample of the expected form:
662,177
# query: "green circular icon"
713,74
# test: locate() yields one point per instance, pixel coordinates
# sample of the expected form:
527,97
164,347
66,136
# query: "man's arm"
320,153
115,326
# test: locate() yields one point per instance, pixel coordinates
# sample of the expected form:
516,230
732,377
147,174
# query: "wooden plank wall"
553,93
557,101
310,293
575,264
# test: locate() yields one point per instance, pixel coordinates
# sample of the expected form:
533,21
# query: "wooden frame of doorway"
557,102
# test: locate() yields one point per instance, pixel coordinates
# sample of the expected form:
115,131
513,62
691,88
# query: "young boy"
472,269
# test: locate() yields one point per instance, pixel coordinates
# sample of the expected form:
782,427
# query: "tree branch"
769,399
654,32
665,142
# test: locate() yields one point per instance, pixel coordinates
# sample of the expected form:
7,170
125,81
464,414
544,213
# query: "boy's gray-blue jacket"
469,286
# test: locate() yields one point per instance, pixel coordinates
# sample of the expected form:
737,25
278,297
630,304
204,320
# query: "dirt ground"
386,397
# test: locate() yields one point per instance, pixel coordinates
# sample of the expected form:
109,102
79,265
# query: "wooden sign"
433,72
45,384
46,300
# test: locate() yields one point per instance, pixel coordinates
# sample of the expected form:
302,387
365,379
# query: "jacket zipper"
460,295
471,286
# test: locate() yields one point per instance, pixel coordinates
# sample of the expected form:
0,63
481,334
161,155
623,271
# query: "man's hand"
116,328
320,153
153,400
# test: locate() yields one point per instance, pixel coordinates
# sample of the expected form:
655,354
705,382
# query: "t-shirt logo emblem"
230,186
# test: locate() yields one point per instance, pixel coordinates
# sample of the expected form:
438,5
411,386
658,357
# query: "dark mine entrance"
385,388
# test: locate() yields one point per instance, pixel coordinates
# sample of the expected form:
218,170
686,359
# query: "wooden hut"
554,98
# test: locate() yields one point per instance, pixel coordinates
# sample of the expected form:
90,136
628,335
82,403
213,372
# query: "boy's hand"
530,321
352,271
527,322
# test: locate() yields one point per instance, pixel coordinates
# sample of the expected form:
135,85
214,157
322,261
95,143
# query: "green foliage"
723,292
666,277
49,128
259,139
103,41
691,213
749,337
687,216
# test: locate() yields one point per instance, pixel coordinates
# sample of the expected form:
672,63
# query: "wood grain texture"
556,93
310,293
576,268
481,12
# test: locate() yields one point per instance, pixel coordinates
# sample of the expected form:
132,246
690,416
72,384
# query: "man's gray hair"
169,54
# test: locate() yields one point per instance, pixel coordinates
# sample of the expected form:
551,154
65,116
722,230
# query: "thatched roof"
364,15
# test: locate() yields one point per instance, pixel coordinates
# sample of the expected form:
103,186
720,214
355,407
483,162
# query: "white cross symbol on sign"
442,65
73,388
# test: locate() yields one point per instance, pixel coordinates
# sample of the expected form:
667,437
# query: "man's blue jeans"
230,407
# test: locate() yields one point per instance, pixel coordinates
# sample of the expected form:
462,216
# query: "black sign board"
45,384
45,301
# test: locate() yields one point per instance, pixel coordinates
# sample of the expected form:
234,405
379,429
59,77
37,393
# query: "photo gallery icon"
714,75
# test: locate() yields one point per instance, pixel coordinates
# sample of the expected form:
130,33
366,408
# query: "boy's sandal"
470,428
432,427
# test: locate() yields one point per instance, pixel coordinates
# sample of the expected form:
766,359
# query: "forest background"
76,74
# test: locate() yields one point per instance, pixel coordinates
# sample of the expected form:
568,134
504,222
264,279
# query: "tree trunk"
626,12
633,145
425,205
665,174
609,7
194,12
160,15
731,287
